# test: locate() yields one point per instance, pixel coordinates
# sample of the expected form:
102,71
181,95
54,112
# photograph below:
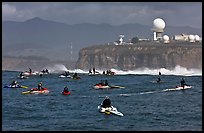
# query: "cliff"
140,55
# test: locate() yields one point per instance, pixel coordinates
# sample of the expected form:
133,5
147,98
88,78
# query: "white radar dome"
191,37
197,38
166,38
159,23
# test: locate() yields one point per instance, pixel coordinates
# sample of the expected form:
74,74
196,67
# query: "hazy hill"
53,39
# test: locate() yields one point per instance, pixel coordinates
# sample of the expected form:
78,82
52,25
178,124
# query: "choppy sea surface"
144,105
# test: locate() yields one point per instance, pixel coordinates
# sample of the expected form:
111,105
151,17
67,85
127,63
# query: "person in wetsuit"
40,86
90,71
66,73
106,82
75,75
14,83
30,70
183,82
158,80
21,74
66,89
46,70
106,102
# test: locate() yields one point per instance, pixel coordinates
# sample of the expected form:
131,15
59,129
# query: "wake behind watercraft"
158,81
116,86
23,77
64,76
178,88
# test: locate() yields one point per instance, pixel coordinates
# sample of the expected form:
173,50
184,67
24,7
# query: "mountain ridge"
53,39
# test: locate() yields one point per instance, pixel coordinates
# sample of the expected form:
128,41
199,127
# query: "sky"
114,13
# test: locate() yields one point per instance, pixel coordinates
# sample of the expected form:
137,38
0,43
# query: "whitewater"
178,70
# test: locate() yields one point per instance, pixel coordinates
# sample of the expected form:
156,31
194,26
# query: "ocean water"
144,105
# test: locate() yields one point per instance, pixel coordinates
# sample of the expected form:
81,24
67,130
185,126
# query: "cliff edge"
143,54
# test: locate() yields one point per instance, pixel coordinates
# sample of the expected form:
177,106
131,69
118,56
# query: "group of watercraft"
43,90
102,85
183,85
113,110
31,91
95,72
26,74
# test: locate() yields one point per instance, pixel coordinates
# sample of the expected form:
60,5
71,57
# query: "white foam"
178,70
57,68
78,71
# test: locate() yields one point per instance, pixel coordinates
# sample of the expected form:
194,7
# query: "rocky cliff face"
140,55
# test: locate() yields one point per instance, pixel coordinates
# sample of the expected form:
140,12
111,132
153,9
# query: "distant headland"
140,55
160,52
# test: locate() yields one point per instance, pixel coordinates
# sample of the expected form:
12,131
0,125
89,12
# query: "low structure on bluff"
140,55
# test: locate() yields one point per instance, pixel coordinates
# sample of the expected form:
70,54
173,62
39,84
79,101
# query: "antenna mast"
71,51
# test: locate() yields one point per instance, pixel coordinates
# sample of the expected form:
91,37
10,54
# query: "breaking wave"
57,68
178,70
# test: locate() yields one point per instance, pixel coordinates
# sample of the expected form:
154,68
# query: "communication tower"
71,58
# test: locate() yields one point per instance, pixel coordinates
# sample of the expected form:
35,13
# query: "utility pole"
71,51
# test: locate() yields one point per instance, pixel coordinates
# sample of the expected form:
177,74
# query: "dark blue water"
144,105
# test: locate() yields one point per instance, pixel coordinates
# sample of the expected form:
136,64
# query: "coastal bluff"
150,55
